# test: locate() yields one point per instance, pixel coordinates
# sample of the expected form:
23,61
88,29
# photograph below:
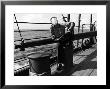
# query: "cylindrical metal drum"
68,59
39,64
66,56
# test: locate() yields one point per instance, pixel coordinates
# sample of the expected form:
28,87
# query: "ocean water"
31,34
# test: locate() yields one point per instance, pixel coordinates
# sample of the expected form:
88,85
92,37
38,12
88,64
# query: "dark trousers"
64,42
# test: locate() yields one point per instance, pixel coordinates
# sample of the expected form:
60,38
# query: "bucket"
39,64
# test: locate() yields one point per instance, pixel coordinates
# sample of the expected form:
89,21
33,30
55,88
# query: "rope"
22,39
18,27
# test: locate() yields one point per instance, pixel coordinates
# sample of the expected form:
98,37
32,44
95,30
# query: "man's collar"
56,24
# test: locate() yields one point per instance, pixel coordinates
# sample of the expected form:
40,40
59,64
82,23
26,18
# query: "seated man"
58,32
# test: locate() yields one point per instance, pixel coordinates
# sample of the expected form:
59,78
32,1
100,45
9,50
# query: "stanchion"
65,56
68,57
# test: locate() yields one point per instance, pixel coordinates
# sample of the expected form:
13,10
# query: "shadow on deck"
86,65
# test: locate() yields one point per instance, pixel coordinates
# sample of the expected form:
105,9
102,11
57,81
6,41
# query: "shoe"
60,67
59,70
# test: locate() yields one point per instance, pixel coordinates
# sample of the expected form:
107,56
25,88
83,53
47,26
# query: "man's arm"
52,33
72,25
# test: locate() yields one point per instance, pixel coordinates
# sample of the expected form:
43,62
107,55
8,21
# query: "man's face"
54,21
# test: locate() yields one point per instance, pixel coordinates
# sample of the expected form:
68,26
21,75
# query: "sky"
45,18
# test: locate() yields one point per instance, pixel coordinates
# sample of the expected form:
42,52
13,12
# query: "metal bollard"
39,64
65,55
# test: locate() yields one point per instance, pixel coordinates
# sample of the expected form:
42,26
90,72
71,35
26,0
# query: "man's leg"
60,57
66,39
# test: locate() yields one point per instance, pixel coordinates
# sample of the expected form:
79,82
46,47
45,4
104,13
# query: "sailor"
58,30
58,33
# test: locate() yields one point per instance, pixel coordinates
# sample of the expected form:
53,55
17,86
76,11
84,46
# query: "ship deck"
85,64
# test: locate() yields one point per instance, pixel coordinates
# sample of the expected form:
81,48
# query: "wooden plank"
77,58
86,67
87,72
78,73
94,73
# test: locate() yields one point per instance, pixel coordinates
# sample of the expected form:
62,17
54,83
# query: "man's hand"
57,39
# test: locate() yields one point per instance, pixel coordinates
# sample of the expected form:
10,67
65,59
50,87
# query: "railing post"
92,39
79,20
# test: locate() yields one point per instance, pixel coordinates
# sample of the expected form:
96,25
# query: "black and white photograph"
55,44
